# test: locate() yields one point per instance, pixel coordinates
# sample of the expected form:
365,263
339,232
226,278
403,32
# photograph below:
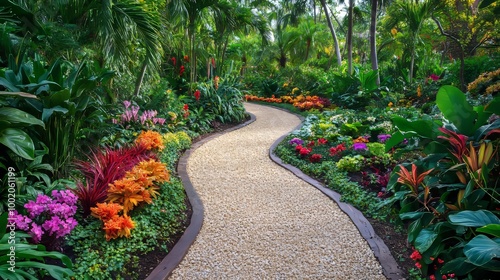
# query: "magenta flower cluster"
48,216
131,115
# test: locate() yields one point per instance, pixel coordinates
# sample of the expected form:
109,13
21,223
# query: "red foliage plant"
103,168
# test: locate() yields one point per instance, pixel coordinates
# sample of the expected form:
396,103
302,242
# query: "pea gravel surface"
261,221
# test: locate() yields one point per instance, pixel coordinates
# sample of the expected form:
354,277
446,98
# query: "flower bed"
444,189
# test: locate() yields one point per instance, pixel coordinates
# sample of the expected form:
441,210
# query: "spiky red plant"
103,168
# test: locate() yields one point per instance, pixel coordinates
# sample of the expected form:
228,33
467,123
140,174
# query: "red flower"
186,110
322,141
444,277
432,277
415,255
304,151
174,61
418,265
197,95
186,58
311,144
440,261
298,148
315,158
181,70
337,149
380,194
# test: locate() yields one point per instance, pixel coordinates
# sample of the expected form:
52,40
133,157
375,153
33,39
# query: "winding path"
261,222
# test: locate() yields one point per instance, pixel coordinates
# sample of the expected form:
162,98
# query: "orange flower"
106,211
154,170
151,140
118,226
127,192
360,139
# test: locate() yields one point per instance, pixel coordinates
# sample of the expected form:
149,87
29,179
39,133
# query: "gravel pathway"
262,222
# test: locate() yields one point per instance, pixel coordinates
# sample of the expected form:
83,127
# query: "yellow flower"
419,91
390,104
394,32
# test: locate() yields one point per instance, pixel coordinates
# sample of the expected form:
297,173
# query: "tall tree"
350,27
373,38
332,31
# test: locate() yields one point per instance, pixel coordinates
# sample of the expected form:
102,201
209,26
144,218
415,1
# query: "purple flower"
36,232
359,146
296,141
382,138
67,197
126,103
22,222
34,208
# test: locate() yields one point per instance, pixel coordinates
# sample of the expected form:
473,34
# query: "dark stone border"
389,265
179,251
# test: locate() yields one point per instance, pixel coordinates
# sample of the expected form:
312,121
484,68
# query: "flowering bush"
301,102
138,184
49,219
114,225
131,116
150,140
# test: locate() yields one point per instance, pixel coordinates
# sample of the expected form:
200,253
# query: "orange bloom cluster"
301,102
360,139
138,185
150,139
114,225
271,99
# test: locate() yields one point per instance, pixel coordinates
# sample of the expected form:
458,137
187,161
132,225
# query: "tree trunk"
140,78
308,47
349,36
334,35
373,39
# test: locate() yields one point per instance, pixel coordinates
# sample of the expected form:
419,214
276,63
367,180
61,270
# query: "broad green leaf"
493,229
22,94
455,108
59,98
477,218
459,266
19,142
482,249
424,128
425,239
55,271
47,112
18,117
493,106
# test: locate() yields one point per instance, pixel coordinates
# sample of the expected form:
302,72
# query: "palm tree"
308,30
115,26
373,38
350,27
192,13
242,20
332,31
413,14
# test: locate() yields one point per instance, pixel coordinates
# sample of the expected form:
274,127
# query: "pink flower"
126,103
322,141
434,77
36,232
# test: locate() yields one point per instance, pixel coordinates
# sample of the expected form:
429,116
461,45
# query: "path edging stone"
181,248
390,268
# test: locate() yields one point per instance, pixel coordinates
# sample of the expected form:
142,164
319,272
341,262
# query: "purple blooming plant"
48,219
382,138
360,146
131,115
296,141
